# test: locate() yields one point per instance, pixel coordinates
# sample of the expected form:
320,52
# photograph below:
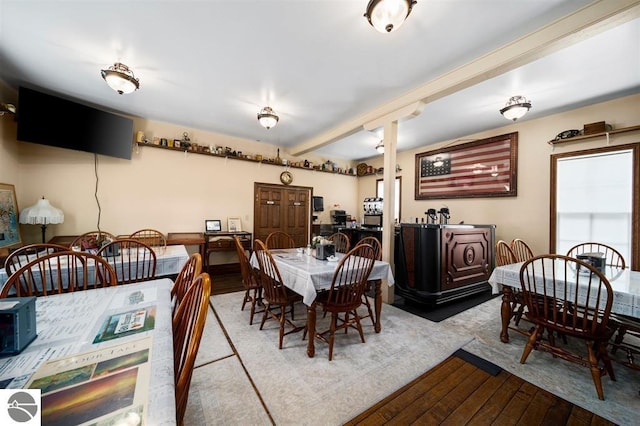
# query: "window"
595,198
380,194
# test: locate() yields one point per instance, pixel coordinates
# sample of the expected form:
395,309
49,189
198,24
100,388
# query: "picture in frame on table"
482,168
234,224
9,219
213,225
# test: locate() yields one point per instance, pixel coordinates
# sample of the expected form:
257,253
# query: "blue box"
17,324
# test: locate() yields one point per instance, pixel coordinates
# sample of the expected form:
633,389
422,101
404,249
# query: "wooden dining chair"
505,256
92,240
188,326
371,284
25,254
59,272
250,280
345,294
189,271
612,256
133,261
276,297
341,241
279,240
151,237
521,250
504,253
572,298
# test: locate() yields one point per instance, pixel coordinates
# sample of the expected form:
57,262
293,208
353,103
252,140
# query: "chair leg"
359,326
264,315
332,333
595,371
531,343
283,314
247,298
619,337
604,356
253,310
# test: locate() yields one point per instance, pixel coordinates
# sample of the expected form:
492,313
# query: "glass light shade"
268,118
120,78
388,15
41,213
515,108
380,147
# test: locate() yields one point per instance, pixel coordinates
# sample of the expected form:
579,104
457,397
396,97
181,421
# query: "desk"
625,284
68,323
187,239
221,241
307,275
169,261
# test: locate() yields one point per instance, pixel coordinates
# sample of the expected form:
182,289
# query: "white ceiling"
213,64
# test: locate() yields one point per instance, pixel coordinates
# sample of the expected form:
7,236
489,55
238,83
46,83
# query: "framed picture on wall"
9,219
234,224
482,168
212,225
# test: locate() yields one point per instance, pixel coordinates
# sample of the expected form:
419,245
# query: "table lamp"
41,213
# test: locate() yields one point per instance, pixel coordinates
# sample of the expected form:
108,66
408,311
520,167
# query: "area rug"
562,378
298,390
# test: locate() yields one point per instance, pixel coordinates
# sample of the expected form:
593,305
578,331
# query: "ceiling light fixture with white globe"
388,15
268,118
120,78
380,147
516,107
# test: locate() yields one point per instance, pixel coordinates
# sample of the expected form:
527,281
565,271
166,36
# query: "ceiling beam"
584,23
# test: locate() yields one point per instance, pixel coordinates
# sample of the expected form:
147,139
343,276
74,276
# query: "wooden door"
282,208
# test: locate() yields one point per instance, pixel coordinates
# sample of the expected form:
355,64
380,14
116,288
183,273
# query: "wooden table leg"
311,330
378,304
505,312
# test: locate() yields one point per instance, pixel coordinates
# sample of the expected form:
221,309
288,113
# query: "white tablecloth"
307,275
624,282
68,323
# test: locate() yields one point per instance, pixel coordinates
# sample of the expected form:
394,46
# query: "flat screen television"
49,120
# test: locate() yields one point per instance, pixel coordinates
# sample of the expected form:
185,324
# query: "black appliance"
338,217
50,120
372,212
318,204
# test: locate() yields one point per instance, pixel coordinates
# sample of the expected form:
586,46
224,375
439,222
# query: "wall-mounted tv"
49,120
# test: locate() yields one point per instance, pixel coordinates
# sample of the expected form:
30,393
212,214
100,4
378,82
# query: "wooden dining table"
306,275
624,282
102,355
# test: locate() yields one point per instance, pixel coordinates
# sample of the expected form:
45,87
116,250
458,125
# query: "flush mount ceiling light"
268,118
120,78
4,108
388,15
380,147
515,108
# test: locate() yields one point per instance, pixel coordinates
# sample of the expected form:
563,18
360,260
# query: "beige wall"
527,215
8,147
175,192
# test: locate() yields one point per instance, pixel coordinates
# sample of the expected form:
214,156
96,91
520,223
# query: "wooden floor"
457,392
225,283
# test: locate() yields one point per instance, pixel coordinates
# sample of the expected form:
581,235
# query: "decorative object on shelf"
120,78
361,169
41,213
278,160
567,134
388,15
213,225
380,147
9,216
234,224
516,107
286,177
4,108
609,132
481,179
268,118
595,128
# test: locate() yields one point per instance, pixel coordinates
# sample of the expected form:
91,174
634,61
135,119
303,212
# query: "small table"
625,284
187,239
221,241
307,275
68,324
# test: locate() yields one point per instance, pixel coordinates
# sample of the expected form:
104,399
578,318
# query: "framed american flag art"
482,168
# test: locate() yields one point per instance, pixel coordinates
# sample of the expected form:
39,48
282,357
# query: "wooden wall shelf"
232,157
595,135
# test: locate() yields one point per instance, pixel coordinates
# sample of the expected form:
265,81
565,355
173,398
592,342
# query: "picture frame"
213,225
482,168
234,224
9,217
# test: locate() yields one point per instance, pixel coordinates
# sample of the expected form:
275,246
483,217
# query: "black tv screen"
50,120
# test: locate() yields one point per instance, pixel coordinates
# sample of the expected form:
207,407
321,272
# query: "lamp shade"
380,147
268,118
41,213
120,78
515,108
388,15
